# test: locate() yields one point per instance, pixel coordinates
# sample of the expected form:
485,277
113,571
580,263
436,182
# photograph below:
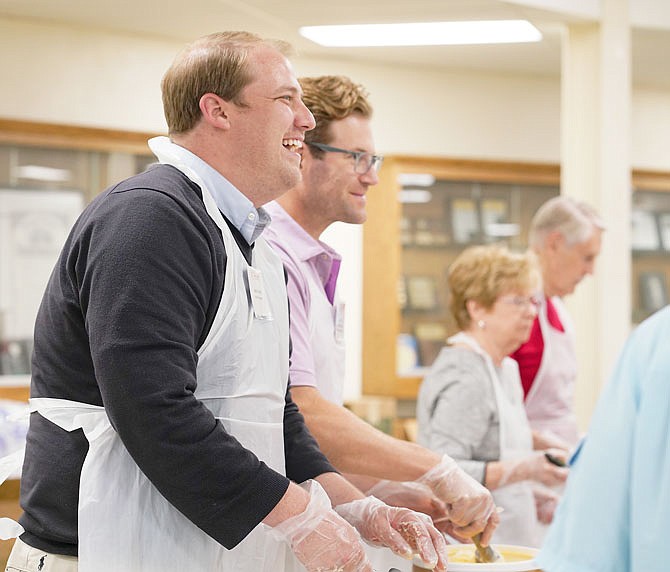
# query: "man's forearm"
354,446
362,482
293,502
339,489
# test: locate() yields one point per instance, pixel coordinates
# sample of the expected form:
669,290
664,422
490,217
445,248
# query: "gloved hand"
546,502
405,532
536,467
321,539
411,495
548,440
470,506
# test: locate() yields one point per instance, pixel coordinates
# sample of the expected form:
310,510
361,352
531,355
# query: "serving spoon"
484,553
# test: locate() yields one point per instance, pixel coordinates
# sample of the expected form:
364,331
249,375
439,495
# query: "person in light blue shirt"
615,514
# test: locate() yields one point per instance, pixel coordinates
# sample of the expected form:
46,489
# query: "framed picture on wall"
644,232
464,220
494,216
664,230
34,225
402,292
421,293
15,357
407,354
431,338
653,291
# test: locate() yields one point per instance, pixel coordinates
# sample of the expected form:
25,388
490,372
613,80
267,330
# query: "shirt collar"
236,207
306,247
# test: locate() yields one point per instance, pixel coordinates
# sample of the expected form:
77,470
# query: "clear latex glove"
470,506
546,502
547,440
320,539
405,532
409,494
535,467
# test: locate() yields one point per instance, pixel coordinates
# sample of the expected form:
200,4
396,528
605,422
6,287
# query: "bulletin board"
34,225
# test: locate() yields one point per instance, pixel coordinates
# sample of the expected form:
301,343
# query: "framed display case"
650,239
47,174
653,291
422,214
427,210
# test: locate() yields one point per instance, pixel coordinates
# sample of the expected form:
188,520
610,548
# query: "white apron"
550,401
125,524
518,521
9,465
326,337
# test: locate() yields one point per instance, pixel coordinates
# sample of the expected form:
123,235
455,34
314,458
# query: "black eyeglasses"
363,161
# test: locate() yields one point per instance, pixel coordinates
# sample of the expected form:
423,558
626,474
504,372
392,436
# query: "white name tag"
259,299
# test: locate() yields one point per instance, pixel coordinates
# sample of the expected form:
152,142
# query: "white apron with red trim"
550,402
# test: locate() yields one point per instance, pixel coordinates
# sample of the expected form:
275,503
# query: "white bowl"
528,565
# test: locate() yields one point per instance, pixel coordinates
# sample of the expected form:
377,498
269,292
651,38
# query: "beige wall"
457,113
650,128
67,75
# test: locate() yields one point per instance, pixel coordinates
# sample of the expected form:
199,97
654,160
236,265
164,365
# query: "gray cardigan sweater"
457,412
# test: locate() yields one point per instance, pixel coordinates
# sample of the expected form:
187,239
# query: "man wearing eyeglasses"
339,165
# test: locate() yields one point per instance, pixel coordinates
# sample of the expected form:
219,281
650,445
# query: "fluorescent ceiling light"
415,196
416,179
502,229
40,173
424,34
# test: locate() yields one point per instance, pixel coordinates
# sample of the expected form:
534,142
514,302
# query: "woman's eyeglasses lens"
522,302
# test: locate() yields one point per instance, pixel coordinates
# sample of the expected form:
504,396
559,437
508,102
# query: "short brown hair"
483,273
331,98
216,63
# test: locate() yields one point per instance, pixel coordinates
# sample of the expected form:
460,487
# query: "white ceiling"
184,21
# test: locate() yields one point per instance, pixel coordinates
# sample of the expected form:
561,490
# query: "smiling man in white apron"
566,236
162,435
339,166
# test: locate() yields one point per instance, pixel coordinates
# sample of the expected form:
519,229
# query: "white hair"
575,220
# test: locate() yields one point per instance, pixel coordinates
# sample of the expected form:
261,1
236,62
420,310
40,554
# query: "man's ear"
554,240
215,111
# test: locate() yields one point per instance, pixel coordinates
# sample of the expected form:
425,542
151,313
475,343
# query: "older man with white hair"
565,234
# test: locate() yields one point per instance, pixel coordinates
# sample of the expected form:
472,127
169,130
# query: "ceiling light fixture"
41,173
423,34
415,196
416,179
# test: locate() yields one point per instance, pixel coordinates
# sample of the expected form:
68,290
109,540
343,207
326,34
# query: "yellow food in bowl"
466,554
462,559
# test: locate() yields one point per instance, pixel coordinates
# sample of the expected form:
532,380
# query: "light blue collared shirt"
235,206
615,516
